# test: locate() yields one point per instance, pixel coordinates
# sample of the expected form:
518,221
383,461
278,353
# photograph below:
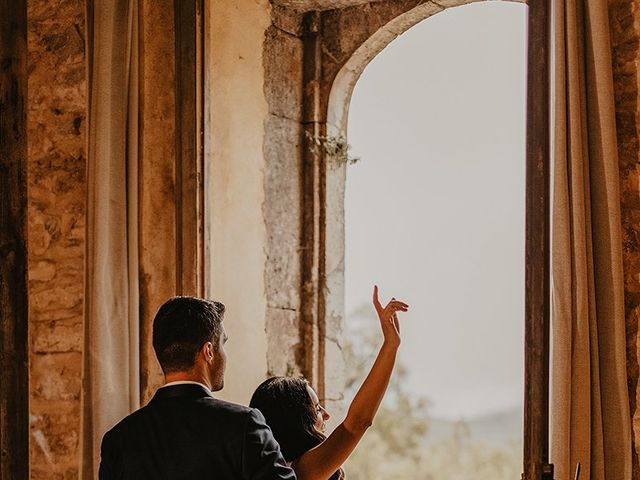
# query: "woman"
296,417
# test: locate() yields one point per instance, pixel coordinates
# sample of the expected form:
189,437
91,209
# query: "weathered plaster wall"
56,135
625,39
239,239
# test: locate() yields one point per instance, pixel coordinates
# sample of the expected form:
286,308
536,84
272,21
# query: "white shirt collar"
187,382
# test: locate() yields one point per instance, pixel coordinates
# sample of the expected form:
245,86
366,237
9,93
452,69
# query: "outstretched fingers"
391,308
396,305
376,301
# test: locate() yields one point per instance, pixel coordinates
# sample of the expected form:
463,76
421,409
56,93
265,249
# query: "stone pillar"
282,150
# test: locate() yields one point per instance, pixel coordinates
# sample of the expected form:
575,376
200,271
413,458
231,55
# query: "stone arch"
349,74
370,43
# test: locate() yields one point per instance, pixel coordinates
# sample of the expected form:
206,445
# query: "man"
184,432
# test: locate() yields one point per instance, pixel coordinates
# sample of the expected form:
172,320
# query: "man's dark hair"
180,329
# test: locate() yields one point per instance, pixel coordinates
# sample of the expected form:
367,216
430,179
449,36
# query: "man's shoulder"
222,408
127,422
207,409
223,405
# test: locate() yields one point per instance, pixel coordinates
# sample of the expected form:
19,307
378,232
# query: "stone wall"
625,39
56,135
282,150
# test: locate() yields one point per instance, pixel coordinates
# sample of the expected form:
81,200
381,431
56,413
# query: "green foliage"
398,447
335,149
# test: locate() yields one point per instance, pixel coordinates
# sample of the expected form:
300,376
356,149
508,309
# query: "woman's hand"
389,318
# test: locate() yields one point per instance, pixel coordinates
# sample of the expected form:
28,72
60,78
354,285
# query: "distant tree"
397,446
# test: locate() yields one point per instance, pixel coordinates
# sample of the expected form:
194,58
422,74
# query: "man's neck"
186,377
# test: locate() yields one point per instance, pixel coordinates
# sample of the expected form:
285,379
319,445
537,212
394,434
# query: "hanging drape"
111,347
590,421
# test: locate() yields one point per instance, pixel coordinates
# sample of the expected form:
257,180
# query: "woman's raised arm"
321,462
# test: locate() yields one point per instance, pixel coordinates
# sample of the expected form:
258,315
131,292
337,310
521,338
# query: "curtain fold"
111,333
590,421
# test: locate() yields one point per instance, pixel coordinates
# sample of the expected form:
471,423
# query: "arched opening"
438,121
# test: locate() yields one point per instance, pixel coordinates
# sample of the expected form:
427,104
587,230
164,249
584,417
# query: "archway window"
434,211
331,73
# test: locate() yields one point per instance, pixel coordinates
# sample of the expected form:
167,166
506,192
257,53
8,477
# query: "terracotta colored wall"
56,128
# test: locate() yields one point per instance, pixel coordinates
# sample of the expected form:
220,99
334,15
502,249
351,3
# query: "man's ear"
207,351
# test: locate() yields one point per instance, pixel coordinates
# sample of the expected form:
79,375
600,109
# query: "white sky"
435,207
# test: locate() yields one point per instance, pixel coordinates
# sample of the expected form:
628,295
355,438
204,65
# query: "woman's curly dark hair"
290,413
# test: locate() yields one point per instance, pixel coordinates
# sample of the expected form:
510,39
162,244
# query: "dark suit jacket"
185,433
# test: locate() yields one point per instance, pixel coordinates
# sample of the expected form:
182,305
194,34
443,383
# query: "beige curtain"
111,349
590,420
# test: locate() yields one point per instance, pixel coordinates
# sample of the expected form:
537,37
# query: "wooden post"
14,374
537,284
189,18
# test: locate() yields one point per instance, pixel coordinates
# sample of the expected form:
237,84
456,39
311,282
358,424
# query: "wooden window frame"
190,114
536,464
14,373
537,245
